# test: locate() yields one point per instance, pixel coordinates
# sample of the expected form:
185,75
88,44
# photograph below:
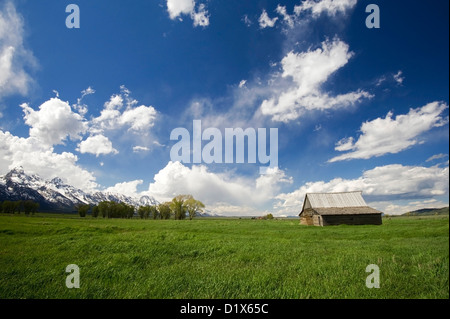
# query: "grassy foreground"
221,258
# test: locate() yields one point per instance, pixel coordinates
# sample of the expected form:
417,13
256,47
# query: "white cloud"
38,158
388,135
398,77
384,183
97,145
380,80
138,149
126,188
177,8
114,103
200,17
265,21
248,22
138,119
79,106
309,71
330,7
288,19
88,91
216,189
158,144
242,84
14,58
54,122
308,9
437,156
345,144
399,209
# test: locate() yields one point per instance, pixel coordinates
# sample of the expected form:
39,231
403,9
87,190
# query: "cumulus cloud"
384,183
97,145
436,157
15,59
121,111
138,119
329,7
216,189
287,18
307,10
265,21
201,16
126,188
309,71
38,158
392,135
398,77
80,106
137,149
54,122
178,8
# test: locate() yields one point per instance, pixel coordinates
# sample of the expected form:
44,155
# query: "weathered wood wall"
370,219
307,220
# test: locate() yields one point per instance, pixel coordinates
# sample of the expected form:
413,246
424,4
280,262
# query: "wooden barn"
325,209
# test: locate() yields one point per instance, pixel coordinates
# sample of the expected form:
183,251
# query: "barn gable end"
323,209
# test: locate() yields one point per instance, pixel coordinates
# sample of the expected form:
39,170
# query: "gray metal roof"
346,211
333,200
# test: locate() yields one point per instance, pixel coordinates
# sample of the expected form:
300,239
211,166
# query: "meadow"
221,258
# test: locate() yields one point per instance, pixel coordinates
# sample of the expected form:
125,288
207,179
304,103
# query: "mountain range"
55,194
428,212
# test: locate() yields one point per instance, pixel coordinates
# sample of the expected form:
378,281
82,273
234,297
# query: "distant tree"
17,206
82,209
35,208
30,207
154,212
178,207
95,211
129,211
110,209
269,216
8,207
148,211
193,206
103,208
164,210
141,211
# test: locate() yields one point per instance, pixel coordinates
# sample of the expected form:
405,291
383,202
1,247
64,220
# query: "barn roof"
366,210
345,203
328,200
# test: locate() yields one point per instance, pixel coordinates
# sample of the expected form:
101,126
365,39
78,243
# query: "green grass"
221,258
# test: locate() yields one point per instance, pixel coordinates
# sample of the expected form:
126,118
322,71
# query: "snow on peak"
56,191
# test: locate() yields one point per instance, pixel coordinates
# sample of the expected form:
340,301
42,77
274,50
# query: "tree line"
18,206
180,208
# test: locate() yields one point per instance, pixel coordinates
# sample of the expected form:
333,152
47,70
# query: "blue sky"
355,108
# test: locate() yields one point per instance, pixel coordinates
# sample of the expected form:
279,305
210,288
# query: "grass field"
221,258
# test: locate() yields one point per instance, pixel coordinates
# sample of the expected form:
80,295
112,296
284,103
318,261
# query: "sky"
354,108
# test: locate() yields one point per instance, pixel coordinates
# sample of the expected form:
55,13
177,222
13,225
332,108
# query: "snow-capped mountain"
57,195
